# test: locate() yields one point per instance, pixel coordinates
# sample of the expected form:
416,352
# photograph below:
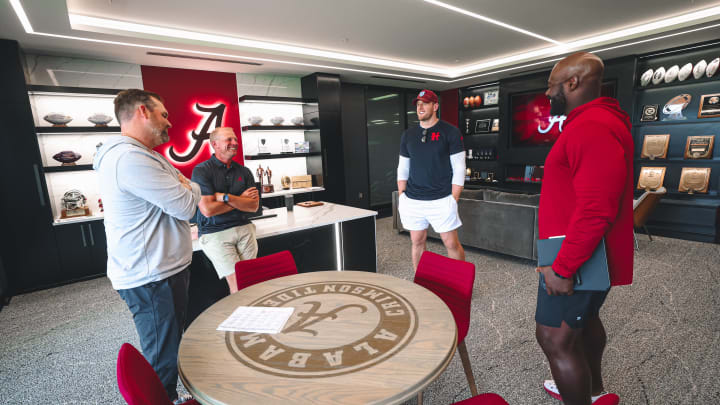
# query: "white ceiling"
395,38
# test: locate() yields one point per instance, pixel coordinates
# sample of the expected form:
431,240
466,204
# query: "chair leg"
419,401
462,349
637,247
647,232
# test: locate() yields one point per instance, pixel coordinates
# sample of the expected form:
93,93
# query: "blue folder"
593,275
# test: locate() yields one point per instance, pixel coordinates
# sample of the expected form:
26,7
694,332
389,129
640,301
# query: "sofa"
499,221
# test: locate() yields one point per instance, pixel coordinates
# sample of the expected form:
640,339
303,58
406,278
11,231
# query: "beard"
161,135
558,103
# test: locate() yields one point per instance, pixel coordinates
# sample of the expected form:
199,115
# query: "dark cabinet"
82,250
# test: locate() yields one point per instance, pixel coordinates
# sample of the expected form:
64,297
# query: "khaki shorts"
225,248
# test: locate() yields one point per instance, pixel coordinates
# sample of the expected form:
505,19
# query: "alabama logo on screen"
336,328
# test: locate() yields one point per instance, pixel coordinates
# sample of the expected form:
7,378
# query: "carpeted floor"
60,345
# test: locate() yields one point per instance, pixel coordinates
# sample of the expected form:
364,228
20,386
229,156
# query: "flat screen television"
532,124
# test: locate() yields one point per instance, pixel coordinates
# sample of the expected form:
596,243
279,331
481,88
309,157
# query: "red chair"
253,271
138,383
451,280
484,399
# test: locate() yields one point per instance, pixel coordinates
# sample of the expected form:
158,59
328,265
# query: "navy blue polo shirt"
430,168
214,177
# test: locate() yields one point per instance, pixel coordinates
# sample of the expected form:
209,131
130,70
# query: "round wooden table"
354,338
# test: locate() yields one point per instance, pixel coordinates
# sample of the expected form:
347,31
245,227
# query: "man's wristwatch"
559,276
226,198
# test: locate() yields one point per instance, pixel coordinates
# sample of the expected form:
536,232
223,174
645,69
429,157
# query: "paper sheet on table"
257,319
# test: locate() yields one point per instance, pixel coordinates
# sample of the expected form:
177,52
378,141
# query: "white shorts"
442,214
225,248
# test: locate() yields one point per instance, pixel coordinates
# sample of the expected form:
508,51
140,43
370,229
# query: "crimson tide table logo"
337,328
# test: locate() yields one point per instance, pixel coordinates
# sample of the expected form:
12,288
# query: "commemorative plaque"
699,147
709,106
655,146
694,180
650,112
482,126
651,178
491,97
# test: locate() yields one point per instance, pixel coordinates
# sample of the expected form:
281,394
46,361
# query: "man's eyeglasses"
424,137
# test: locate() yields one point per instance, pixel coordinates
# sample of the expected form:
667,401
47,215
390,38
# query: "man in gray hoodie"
147,207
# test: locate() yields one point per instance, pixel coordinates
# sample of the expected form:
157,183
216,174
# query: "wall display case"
67,147
282,133
683,110
480,125
67,150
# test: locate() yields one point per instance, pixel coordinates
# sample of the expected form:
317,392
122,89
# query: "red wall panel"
449,100
194,100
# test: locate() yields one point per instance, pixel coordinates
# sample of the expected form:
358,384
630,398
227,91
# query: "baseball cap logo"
422,93
376,323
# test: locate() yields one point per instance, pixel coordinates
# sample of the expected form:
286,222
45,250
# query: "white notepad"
257,319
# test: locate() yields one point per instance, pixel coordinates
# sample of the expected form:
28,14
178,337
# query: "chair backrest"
138,383
645,206
253,271
451,280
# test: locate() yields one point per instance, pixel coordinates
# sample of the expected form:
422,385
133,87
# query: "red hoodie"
587,189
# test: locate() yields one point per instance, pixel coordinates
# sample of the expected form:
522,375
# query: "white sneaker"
552,390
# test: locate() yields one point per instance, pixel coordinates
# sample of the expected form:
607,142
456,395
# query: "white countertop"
303,218
292,191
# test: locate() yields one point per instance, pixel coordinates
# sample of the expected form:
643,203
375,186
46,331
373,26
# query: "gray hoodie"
146,213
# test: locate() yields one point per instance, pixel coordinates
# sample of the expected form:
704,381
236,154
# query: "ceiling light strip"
491,21
20,12
77,20
235,56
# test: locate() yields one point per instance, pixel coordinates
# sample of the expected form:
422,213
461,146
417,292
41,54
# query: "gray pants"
159,310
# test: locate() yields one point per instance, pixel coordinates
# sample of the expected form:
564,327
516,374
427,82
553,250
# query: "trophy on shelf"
74,204
675,106
100,119
263,147
285,182
268,188
699,147
67,157
286,146
260,175
651,178
655,146
694,180
58,119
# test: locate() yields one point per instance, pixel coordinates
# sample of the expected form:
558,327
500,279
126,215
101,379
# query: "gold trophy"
268,188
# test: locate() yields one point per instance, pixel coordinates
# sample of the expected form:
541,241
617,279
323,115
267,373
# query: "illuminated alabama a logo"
211,115
336,328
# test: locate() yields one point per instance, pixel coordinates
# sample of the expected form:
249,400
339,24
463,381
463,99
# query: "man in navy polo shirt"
431,175
228,194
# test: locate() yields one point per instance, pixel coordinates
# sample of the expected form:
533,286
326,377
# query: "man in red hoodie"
586,195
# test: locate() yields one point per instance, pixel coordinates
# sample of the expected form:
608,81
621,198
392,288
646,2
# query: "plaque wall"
667,105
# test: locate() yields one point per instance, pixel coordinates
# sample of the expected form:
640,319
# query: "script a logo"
337,328
212,114
553,120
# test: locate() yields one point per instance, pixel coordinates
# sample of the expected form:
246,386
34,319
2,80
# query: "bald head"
574,81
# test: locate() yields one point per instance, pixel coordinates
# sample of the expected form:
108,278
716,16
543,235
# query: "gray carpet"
60,345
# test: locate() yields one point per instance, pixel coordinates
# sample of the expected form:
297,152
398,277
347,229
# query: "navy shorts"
574,309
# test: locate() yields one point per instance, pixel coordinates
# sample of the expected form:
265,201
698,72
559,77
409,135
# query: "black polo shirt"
430,168
214,177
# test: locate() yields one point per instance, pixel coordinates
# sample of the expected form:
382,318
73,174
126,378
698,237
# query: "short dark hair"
128,100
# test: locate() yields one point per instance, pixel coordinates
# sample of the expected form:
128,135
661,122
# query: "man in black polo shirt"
228,193
431,175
